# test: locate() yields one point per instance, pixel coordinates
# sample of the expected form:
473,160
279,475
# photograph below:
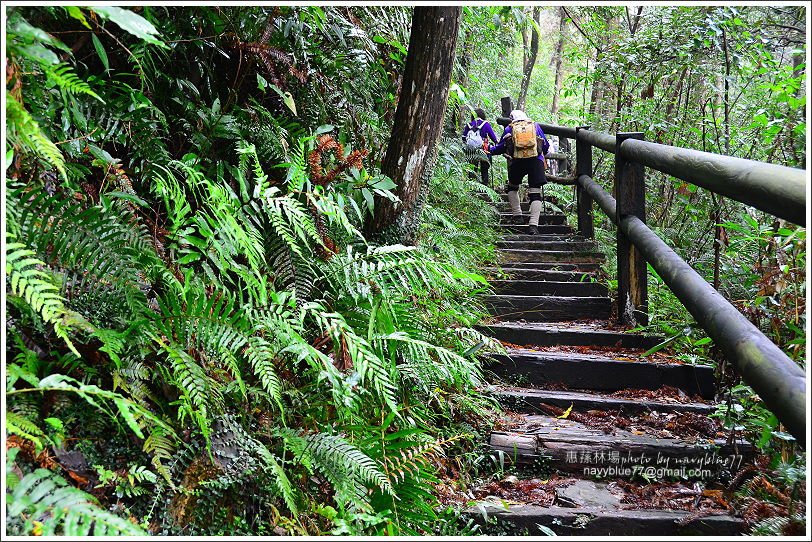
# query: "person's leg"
484,166
535,180
515,175
472,172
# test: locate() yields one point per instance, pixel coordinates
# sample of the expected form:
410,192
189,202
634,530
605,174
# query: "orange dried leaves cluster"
326,144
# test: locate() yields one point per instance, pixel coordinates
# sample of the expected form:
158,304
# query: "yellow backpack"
524,139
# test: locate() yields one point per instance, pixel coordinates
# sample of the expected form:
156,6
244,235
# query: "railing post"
630,193
507,107
583,166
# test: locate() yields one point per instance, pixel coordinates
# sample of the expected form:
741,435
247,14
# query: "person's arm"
540,133
487,129
499,148
465,131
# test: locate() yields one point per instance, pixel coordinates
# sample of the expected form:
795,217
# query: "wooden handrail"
778,380
777,190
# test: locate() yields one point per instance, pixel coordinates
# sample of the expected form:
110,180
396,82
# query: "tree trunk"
559,49
531,60
409,157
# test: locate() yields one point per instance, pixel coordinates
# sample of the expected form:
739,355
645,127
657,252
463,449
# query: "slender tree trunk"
717,203
559,49
409,158
459,117
531,60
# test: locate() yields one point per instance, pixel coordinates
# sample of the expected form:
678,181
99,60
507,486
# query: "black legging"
484,168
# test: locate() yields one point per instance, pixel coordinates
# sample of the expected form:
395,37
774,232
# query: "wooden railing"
778,190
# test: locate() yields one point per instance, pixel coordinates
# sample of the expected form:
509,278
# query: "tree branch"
592,43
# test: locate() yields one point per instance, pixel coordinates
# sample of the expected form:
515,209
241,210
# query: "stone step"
541,334
545,244
544,228
547,308
546,287
507,255
573,447
525,399
591,521
505,218
601,373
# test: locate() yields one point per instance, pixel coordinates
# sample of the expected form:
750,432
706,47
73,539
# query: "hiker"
525,145
552,163
474,139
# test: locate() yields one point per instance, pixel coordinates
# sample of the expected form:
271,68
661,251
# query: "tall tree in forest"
557,58
411,152
530,57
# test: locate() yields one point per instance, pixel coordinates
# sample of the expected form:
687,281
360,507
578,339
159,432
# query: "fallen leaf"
566,413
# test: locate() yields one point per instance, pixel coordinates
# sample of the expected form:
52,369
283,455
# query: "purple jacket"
501,147
485,130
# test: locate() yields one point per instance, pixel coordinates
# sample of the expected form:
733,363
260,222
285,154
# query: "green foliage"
196,316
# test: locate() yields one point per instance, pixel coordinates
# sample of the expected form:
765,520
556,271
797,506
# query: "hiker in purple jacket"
474,135
533,168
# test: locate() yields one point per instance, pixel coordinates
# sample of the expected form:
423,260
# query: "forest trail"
581,399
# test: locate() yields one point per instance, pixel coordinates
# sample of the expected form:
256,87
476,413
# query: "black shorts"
532,167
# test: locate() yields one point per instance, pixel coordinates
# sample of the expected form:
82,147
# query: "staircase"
606,441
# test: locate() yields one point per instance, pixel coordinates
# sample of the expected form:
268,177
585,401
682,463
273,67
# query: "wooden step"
504,206
545,228
542,237
541,334
533,243
554,266
587,521
547,308
504,198
505,218
538,274
507,255
592,372
546,287
529,399
573,447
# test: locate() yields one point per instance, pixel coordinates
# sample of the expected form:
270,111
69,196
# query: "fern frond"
290,270
261,354
348,469
452,368
24,132
199,391
46,499
66,80
29,282
371,369
25,428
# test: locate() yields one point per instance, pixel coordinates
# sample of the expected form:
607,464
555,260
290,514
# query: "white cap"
518,114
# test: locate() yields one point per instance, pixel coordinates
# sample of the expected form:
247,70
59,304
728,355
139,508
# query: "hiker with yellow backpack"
525,145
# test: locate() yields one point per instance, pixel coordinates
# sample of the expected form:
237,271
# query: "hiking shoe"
532,229
518,219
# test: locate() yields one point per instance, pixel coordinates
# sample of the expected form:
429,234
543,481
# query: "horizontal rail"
597,139
778,190
566,181
604,200
779,381
560,131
